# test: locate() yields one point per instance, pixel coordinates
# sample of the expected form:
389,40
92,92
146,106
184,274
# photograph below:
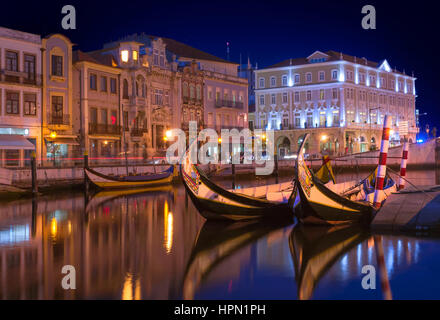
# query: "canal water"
155,245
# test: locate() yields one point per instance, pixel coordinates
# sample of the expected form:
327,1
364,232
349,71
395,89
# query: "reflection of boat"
104,196
218,240
316,248
127,181
214,202
319,204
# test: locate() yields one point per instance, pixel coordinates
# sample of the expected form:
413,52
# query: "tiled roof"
178,48
93,57
333,56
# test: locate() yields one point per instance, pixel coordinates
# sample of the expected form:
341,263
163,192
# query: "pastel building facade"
340,100
21,89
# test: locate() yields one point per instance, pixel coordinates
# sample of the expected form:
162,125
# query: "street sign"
403,128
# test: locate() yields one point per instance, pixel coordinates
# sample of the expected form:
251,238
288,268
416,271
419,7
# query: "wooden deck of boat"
410,210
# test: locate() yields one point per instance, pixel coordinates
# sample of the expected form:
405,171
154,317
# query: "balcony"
8,76
193,101
137,132
108,129
58,119
228,104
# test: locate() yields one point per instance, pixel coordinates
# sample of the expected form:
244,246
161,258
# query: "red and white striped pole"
403,165
382,168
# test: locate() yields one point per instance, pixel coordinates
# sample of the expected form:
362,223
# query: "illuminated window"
135,55
124,55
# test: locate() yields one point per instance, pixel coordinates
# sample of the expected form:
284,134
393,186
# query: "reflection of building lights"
69,227
127,290
53,227
168,228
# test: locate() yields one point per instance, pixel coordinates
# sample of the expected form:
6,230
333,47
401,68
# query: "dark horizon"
267,32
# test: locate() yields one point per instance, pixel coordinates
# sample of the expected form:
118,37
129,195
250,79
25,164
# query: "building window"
309,95
334,74
167,98
273,81
335,93
321,75
284,97
162,59
261,84
199,93
382,82
285,122
125,89
284,80
30,104
297,120
336,118
135,55
11,61
57,107
296,98
112,85
262,100
156,57
29,66
158,97
124,55
104,84
12,158
297,79
321,94
93,82
12,103
308,77
57,66
273,99
310,119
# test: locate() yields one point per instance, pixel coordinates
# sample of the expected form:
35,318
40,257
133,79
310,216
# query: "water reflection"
217,241
154,245
316,248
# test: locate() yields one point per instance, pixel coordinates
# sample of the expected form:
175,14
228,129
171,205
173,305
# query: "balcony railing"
228,104
98,128
20,77
58,119
188,100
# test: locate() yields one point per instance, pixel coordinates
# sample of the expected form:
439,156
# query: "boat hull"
105,182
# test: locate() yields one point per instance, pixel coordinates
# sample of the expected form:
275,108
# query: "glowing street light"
323,137
53,134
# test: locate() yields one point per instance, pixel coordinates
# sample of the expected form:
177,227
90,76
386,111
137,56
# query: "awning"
14,142
61,140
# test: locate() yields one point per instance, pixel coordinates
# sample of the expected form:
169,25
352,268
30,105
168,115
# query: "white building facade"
339,99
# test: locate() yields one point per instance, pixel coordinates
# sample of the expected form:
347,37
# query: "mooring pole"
403,164
86,165
233,175
34,173
382,167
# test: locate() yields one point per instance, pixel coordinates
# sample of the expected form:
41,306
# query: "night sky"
266,31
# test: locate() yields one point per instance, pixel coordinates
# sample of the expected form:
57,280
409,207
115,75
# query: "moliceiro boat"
216,203
319,204
126,181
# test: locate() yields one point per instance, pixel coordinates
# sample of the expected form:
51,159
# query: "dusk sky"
266,31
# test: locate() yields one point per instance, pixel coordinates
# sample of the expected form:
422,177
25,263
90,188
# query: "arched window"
125,89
